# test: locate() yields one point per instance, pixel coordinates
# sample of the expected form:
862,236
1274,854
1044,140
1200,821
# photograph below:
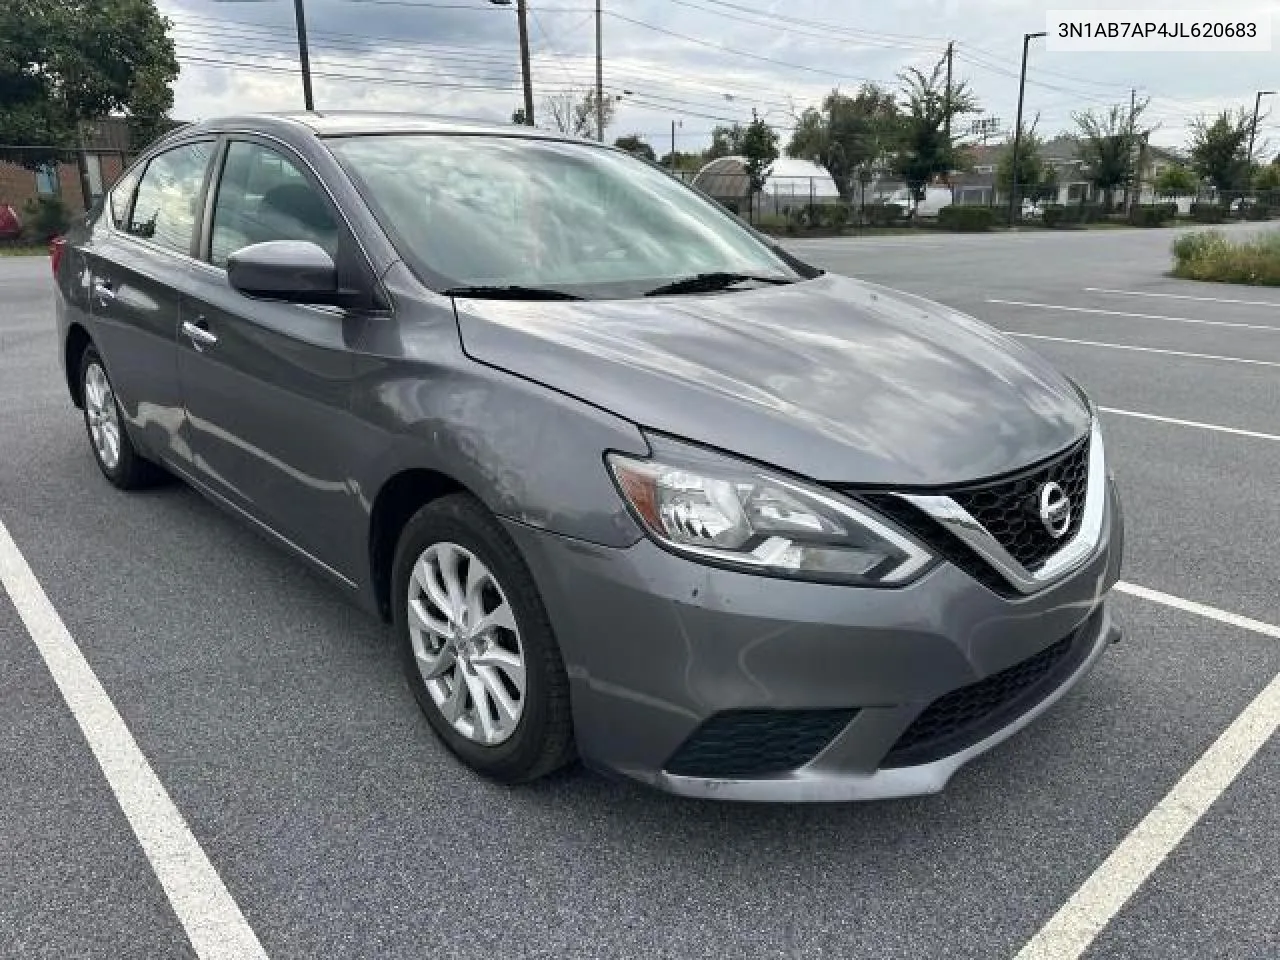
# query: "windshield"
510,212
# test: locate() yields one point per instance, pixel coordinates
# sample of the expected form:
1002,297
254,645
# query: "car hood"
836,379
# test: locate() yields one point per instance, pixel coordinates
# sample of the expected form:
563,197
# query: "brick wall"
69,189
17,186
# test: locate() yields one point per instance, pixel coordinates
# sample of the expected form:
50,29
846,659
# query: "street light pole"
1253,130
1017,130
304,58
526,77
599,77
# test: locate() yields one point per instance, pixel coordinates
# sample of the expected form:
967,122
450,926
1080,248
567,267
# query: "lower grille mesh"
757,743
965,716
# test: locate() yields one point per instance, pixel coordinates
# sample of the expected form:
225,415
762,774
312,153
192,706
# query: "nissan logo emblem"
1055,509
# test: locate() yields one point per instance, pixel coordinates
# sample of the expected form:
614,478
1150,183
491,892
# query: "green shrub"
1209,255
882,214
1203,211
1151,215
834,215
966,219
1257,211
1091,212
46,218
1056,215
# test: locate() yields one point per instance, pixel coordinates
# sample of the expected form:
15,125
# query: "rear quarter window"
120,197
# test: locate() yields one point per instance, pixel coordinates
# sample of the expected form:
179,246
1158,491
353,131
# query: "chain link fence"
814,205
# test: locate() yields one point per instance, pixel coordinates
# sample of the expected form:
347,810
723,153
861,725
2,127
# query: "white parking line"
1071,931
1190,423
1183,296
1129,346
1139,316
1200,609
212,920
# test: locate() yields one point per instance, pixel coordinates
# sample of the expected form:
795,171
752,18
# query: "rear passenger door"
266,383
137,272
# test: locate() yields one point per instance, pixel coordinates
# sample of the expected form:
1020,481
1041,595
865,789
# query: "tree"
1108,146
1219,150
636,146
1047,192
848,133
1267,177
725,142
1176,181
683,161
64,63
759,150
925,151
574,115
1031,168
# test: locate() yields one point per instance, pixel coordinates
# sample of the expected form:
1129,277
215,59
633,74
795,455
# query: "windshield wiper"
711,282
513,292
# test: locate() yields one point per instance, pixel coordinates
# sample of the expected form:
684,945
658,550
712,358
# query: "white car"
935,198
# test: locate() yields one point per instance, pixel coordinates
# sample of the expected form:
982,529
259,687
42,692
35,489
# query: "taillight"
57,247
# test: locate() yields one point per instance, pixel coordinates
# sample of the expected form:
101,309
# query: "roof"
726,178
331,123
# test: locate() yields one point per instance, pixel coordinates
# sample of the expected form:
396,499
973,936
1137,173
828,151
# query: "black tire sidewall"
535,746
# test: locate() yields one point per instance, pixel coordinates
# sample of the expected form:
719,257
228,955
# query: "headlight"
714,509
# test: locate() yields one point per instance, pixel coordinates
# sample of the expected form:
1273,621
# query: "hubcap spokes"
466,643
100,411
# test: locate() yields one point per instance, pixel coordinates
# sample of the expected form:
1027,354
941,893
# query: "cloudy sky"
699,62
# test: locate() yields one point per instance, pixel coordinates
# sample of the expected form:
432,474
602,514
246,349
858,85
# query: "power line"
469,55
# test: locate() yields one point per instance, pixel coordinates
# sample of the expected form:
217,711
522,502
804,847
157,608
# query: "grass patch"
1209,255
24,250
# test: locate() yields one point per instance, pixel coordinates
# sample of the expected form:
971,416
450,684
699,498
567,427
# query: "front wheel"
477,646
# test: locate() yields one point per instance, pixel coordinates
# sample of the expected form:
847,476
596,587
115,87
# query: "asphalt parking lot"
275,717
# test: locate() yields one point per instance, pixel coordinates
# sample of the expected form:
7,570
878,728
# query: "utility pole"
1017,130
947,99
522,22
1253,130
599,77
674,123
304,58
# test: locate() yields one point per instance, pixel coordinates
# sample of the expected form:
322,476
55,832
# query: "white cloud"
792,59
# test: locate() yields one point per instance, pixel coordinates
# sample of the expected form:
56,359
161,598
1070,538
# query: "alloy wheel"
101,415
466,643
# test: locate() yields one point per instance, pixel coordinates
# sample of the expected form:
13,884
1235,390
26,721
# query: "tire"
457,531
104,424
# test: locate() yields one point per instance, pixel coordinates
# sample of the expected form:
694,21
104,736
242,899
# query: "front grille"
965,716
1009,508
757,743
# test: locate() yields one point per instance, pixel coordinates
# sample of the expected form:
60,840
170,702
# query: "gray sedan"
630,482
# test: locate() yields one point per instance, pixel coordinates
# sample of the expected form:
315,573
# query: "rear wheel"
477,646
112,449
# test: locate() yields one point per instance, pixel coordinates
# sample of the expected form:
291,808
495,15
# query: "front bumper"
656,646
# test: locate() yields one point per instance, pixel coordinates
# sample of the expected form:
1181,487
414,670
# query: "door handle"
199,333
103,291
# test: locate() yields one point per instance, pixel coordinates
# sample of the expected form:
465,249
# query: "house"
78,178
1062,153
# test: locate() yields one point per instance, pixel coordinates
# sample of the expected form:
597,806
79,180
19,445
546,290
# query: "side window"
166,208
264,196
121,194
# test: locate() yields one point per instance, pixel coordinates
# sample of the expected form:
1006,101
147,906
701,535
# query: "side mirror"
295,271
